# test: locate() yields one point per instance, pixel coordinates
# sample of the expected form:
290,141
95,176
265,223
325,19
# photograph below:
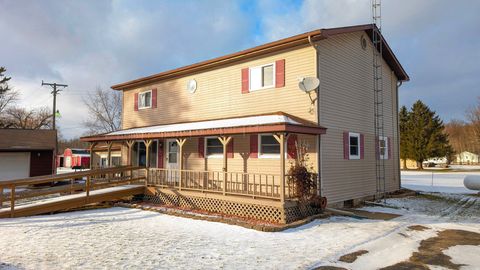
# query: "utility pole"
54,93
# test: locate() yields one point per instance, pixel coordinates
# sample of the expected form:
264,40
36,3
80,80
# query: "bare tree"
28,119
8,96
473,115
104,111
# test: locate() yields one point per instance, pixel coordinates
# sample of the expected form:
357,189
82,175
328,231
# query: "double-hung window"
383,147
262,77
213,147
145,100
268,146
354,145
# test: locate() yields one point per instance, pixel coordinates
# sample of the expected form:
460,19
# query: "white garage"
14,165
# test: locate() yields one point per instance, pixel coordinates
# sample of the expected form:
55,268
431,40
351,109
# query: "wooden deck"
77,189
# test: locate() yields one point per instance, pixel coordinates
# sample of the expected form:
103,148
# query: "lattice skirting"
246,210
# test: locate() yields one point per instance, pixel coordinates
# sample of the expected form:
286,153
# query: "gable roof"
281,44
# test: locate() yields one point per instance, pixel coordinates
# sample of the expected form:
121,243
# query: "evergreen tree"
425,134
3,81
403,125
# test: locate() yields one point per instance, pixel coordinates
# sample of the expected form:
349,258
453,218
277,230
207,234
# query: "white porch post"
225,140
281,140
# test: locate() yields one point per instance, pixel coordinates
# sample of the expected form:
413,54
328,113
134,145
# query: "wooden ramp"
86,187
72,201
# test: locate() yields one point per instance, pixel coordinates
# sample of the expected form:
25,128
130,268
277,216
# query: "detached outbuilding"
75,158
26,153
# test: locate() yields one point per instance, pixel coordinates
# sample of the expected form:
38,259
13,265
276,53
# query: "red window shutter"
201,147
245,81
362,146
154,98
254,146
280,73
160,156
346,144
389,141
135,102
291,146
230,149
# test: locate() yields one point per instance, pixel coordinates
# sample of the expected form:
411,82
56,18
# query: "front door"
172,162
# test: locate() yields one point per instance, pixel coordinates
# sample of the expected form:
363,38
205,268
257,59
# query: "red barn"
76,158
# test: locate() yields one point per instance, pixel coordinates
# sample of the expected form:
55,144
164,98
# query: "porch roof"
276,122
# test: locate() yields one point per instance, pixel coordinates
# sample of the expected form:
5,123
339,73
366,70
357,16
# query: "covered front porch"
238,160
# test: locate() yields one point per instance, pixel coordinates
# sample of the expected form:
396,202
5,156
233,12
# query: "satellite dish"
308,84
191,86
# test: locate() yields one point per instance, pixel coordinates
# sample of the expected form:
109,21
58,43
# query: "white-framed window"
268,146
262,77
354,145
213,147
145,99
383,147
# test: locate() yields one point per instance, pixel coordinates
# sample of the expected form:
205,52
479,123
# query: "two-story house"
220,135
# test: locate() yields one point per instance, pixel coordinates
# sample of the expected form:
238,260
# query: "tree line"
423,134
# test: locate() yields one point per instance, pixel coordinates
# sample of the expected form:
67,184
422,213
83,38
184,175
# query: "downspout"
319,137
399,83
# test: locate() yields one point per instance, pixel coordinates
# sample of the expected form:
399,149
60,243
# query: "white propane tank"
472,182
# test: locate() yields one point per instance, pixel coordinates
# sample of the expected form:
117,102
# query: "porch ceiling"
276,122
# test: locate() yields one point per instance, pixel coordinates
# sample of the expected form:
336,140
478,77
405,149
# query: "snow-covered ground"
119,238
432,181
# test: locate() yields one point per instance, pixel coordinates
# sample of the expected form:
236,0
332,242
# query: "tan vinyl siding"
218,93
347,104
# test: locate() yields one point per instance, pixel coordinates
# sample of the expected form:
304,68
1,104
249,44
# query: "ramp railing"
27,189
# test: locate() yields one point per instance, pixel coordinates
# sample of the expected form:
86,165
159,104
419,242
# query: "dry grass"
351,257
431,250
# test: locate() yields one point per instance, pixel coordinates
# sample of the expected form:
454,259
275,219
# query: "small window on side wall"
262,77
213,147
145,100
383,147
354,145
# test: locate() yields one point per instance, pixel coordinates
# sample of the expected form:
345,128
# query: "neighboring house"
226,118
26,153
74,158
466,157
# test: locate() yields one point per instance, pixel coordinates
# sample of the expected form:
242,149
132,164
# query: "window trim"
206,148
139,98
273,64
357,135
385,154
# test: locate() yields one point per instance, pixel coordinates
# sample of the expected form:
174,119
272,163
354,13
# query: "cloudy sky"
97,43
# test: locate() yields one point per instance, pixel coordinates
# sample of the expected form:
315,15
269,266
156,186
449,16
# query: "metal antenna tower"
378,94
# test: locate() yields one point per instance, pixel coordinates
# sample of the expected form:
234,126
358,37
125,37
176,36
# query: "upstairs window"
145,100
262,77
268,146
383,147
354,145
214,148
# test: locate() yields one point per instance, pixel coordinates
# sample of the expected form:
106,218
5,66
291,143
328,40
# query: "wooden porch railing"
84,181
255,185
